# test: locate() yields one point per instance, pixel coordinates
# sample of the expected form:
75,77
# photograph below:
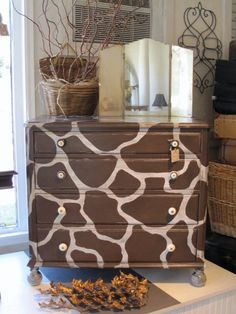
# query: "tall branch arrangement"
72,62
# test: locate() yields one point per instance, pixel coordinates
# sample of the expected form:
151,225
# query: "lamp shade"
159,101
3,28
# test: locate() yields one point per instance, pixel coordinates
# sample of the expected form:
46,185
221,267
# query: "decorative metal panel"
201,37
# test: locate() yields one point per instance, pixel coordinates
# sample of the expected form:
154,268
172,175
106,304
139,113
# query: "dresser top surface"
128,122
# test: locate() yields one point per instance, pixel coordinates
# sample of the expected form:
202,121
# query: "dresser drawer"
111,173
133,143
110,244
100,208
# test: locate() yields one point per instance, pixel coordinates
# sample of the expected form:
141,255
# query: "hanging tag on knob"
174,151
174,155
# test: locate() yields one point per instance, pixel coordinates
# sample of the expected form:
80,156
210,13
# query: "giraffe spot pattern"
117,192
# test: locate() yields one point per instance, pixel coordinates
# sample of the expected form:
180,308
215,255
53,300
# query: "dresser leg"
35,277
198,278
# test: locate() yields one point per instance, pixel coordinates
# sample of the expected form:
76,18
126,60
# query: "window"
14,235
8,215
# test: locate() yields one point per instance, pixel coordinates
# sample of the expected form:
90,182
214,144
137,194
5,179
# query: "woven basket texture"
222,198
70,100
70,69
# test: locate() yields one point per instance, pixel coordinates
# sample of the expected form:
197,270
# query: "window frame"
23,108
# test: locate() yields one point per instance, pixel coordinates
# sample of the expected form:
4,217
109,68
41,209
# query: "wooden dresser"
110,193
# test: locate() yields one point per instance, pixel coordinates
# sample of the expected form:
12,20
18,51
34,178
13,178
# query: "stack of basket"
64,91
222,173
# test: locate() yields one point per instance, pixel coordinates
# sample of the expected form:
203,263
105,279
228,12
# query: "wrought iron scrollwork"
200,36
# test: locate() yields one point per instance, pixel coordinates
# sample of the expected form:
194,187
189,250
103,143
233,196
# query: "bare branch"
61,19
56,37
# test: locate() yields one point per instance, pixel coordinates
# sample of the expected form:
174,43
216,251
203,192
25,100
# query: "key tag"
174,154
174,151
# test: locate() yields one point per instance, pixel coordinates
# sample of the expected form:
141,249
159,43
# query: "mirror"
148,78
181,82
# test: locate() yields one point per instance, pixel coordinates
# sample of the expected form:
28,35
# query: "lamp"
3,28
159,101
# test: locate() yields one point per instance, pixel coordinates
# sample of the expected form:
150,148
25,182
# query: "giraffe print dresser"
107,193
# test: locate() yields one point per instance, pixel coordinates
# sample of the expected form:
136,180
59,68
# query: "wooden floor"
217,297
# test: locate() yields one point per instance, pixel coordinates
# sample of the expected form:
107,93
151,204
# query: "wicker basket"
70,100
67,68
222,198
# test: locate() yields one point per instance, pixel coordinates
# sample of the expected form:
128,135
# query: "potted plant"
69,69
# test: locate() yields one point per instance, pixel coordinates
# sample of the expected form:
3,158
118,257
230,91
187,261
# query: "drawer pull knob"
171,247
173,175
61,175
61,210
172,211
61,143
63,247
174,144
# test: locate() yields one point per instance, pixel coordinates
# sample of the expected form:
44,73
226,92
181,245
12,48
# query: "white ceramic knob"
61,175
172,211
171,247
174,144
61,143
173,175
61,210
63,247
